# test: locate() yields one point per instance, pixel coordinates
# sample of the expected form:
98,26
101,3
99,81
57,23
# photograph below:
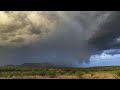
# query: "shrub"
118,74
52,74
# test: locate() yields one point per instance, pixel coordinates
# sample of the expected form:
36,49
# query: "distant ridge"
38,65
48,66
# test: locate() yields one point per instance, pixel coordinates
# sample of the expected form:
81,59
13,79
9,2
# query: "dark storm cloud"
107,32
62,38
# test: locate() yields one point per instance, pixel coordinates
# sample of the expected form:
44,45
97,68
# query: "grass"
80,73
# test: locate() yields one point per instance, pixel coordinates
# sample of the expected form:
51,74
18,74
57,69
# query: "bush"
118,74
43,73
52,74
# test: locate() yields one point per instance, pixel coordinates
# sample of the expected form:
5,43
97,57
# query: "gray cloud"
58,37
19,28
107,32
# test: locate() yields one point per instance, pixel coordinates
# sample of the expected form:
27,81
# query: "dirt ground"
102,75
96,75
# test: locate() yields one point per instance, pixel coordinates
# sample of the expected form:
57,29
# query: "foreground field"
69,73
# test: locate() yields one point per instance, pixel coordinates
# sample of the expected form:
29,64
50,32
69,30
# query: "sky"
66,38
104,59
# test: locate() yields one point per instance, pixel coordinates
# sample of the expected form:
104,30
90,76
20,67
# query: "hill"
38,65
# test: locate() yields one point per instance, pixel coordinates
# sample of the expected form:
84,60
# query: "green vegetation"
80,73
